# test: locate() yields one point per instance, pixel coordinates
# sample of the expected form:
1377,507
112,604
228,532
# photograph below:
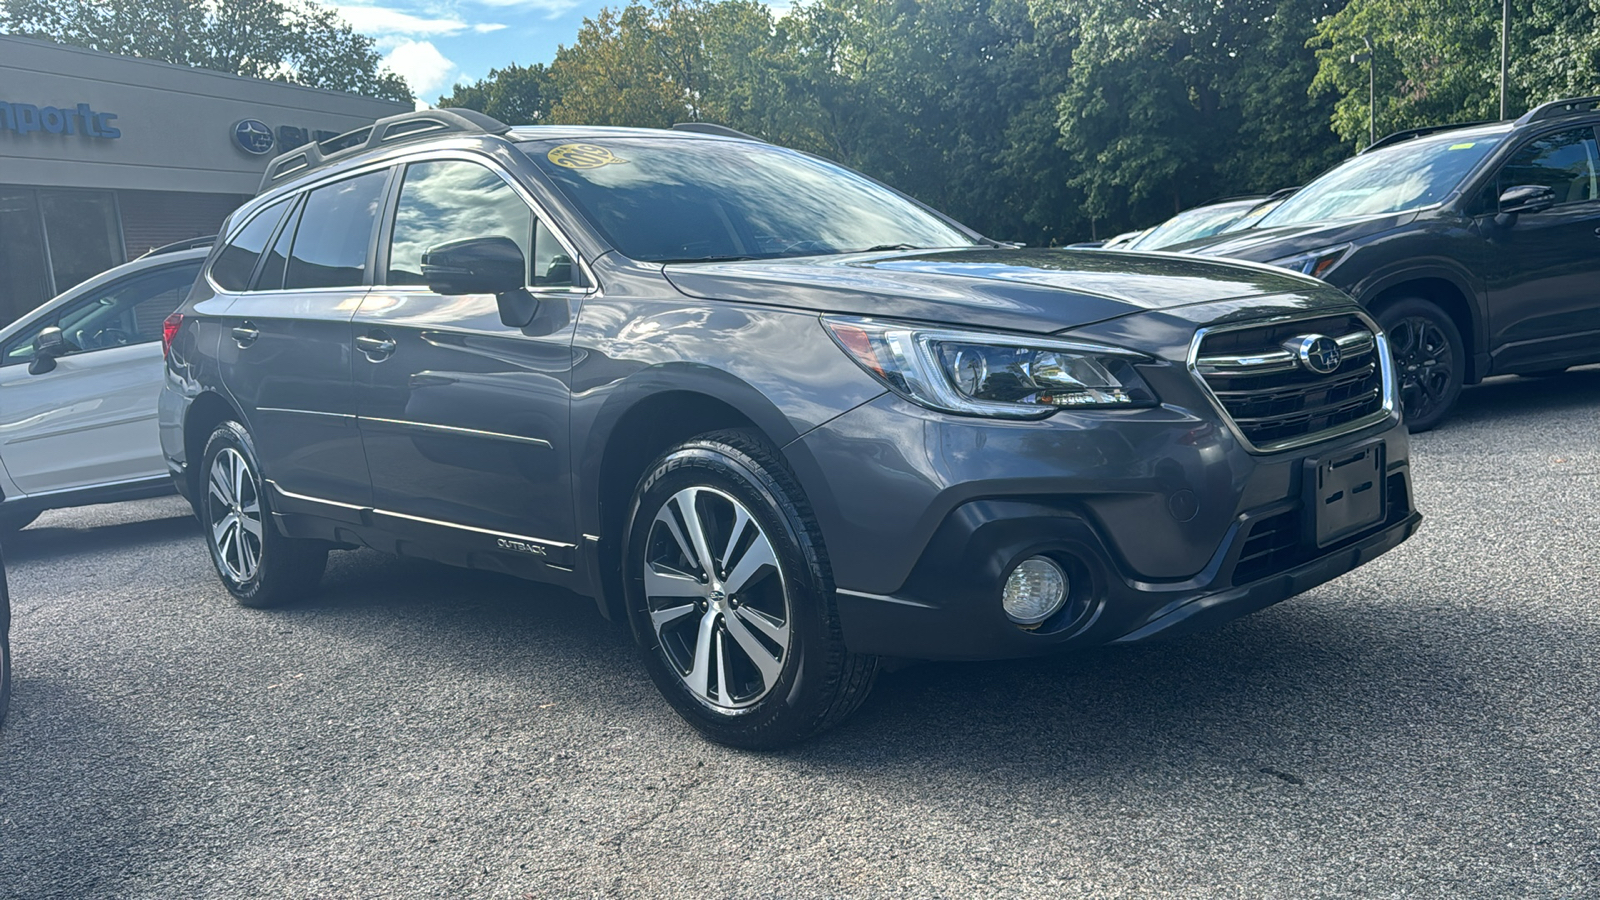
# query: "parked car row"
1476,247
781,420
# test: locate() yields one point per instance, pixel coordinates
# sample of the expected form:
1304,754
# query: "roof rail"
1555,109
713,128
1410,133
185,244
384,132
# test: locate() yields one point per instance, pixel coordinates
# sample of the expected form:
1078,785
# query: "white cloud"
423,67
550,8
486,27
381,20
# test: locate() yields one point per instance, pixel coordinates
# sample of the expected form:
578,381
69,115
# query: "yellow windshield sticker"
582,156
1466,146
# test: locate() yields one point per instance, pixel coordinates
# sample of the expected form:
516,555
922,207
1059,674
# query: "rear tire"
1430,359
258,566
731,599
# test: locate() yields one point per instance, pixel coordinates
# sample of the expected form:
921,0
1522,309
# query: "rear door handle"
377,348
246,334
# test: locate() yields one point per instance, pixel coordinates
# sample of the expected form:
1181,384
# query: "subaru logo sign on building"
253,136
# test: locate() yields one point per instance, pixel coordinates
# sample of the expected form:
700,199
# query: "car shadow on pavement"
77,754
43,542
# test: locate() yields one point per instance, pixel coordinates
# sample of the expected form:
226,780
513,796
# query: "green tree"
298,42
1173,102
516,95
1438,61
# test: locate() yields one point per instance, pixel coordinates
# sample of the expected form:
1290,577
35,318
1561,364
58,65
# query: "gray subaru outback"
782,420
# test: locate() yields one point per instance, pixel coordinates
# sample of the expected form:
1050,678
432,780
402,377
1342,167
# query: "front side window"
129,311
1395,179
1565,162
676,200
450,200
334,233
237,261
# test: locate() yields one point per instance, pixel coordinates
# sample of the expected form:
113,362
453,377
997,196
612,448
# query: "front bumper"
950,609
1163,521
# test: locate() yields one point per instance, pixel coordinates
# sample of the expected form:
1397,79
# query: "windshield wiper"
695,259
891,247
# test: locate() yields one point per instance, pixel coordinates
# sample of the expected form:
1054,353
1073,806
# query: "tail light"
169,331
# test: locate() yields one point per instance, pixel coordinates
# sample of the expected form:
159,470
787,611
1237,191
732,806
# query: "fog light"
1035,591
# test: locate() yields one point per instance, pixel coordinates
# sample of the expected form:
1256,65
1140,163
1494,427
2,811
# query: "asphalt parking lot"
1425,726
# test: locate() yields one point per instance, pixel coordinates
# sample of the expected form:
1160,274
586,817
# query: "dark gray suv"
779,418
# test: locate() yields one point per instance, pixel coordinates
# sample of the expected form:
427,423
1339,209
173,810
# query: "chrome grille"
1273,399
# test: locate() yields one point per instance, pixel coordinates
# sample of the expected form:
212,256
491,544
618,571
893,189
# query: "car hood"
1264,244
1034,290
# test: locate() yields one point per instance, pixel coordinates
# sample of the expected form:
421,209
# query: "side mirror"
50,344
489,265
1526,198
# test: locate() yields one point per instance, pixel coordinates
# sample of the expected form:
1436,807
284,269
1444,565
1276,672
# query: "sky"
436,44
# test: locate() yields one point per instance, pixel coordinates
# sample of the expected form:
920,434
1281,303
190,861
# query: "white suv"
79,378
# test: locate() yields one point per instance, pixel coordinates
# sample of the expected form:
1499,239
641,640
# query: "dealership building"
103,157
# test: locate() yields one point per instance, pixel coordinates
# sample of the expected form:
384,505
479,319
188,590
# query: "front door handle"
244,335
377,347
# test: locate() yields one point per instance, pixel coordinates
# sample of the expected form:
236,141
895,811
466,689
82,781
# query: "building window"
51,240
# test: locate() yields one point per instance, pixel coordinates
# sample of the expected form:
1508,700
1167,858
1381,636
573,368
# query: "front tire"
1429,359
731,599
258,566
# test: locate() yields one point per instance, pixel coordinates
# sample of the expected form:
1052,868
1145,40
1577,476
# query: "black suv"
779,418
1477,247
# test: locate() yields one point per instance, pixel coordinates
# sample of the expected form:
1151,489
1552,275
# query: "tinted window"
271,277
330,244
682,199
129,311
450,200
1564,162
237,260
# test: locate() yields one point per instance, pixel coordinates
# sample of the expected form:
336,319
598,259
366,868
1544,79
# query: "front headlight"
975,373
1316,263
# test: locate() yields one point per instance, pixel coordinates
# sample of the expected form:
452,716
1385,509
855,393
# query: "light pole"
1505,54
1372,88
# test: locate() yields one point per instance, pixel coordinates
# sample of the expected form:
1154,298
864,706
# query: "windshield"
678,200
1394,179
1191,225
1253,217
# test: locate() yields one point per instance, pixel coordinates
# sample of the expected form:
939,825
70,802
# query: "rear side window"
238,258
451,200
334,232
271,277
1565,162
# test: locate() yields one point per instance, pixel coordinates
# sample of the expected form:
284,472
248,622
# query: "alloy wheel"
717,600
235,514
1426,366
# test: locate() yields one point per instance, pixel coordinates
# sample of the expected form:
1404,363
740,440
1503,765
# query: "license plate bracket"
1345,493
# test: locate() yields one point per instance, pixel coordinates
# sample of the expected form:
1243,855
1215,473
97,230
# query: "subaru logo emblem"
1317,352
253,137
